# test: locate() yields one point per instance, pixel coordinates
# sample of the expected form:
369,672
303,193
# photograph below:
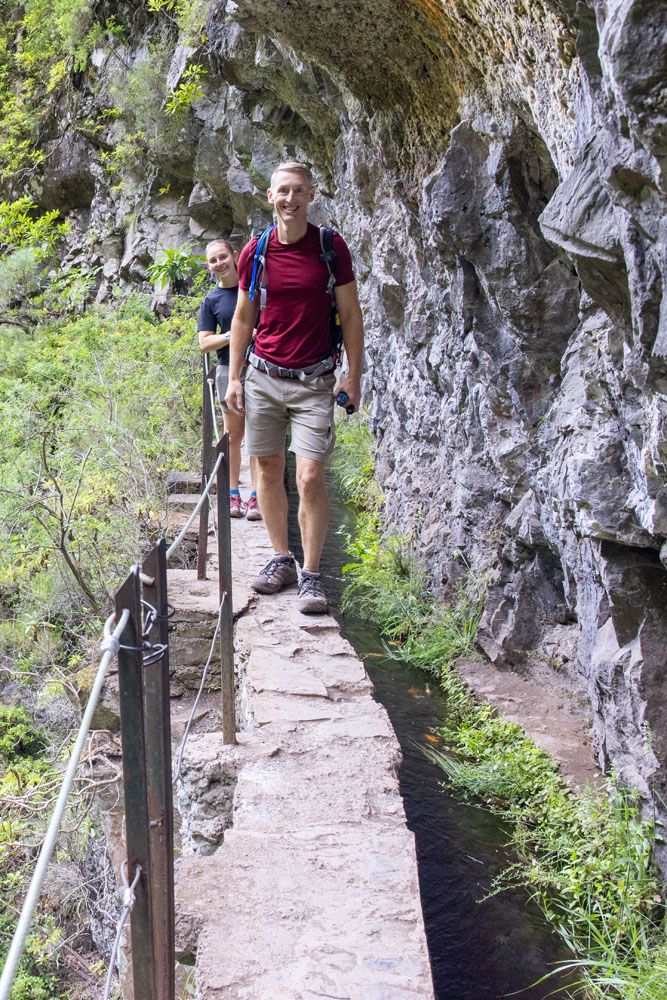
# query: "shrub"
18,738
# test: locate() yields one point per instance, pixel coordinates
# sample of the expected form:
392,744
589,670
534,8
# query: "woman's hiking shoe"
312,599
236,505
279,573
252,511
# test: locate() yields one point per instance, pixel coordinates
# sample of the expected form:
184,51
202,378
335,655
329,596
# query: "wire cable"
128,903
181,746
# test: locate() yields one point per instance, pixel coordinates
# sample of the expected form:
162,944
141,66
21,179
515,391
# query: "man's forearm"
353,339
241,337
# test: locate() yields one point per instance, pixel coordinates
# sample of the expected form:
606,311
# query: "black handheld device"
342,399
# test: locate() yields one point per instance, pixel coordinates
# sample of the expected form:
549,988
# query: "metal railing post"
131,693
158,758
206,465
228,687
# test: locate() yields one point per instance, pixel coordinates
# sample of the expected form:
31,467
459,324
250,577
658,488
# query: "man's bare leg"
273,499
313,510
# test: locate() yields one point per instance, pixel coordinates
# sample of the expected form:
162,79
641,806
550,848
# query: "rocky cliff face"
498,170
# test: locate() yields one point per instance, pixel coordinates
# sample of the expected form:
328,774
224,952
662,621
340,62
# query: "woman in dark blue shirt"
215,320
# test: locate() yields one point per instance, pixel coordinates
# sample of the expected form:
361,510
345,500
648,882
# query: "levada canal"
481,947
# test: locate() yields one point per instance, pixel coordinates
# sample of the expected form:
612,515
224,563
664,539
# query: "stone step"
185,482
182,501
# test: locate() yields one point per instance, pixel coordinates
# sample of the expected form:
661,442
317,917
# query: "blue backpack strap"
258,276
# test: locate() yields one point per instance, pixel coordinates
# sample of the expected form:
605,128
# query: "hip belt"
323,367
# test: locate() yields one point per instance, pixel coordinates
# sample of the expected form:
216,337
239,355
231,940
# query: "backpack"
328,256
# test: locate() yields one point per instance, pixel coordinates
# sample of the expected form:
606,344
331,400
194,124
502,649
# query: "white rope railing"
109,648
216,432
214,419
211,396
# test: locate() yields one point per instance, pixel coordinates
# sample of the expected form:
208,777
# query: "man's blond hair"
293,167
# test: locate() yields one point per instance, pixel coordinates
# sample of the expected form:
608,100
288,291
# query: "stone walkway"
298,876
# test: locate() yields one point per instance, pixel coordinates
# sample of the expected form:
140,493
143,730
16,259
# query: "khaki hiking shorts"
274,404
221,383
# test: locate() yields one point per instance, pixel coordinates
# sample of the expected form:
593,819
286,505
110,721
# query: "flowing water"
480,948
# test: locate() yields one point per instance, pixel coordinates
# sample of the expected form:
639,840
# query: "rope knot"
128,890
110,644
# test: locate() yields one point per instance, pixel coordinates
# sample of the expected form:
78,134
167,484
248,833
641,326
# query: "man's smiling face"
290,194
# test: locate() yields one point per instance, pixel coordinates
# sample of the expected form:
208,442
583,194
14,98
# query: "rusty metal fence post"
228,688
143,681
158,755
206,465
135,783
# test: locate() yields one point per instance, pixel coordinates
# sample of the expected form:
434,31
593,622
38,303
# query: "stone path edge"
298,874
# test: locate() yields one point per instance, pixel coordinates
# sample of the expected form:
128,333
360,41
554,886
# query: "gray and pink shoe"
252,511
236,506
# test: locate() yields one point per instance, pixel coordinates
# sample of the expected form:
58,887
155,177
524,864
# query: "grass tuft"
586,858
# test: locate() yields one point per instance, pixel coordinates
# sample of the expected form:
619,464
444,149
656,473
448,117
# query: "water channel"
480,948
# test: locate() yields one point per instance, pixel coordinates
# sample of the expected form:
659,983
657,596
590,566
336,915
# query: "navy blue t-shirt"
216,311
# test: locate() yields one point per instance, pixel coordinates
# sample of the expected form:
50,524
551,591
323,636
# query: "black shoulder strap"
328,256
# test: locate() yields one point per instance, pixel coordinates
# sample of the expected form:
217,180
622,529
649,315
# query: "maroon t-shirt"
293,330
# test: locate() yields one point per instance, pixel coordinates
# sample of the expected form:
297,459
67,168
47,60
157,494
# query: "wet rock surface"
498,171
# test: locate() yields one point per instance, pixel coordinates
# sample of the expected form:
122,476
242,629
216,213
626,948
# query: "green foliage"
26,782
147,120
354,463
644,979
30,987
175,266
124,156
21,227
385,582
33,287
189,15
18,738
21,278
188,90
41,42
68,291
386,585
95,413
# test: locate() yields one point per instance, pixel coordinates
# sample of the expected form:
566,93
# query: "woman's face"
221,261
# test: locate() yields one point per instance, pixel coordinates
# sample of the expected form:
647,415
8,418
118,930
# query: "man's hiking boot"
236,505
252,511
277,574
312,599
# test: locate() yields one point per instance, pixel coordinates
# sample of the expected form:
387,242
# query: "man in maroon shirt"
290,379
